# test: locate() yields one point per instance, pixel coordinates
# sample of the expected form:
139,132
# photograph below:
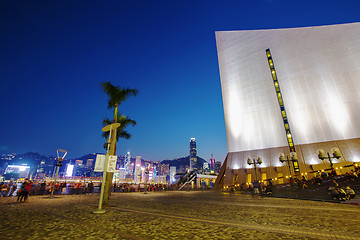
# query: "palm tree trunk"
110,175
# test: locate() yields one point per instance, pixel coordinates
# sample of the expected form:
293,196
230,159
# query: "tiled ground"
177,215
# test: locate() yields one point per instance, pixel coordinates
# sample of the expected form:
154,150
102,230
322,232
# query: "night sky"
55,54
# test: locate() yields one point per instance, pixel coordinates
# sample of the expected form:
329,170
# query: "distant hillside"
179,162
86,157
31,158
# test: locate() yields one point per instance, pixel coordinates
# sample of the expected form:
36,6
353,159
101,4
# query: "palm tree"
117,95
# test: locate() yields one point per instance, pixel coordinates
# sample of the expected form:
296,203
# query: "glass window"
280,178
263,176
235,179
248,178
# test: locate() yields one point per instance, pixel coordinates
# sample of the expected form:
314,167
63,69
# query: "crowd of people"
131,187
322,181
341,194
22,190
8,189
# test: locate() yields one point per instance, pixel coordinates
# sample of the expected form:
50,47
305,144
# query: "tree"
117,95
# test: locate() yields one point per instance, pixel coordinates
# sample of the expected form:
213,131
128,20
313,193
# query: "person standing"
21,190
90,187
26,191
42,187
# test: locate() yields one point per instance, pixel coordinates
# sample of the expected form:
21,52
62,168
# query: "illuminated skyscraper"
137,172
127,164
164,169
89,162
217,166
193,158
212,163
206,167
172,173
318,71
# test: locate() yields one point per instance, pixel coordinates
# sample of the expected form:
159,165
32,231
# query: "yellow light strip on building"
282,108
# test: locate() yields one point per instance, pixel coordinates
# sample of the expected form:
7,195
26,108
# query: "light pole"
146,178
293,156
58,165
107,128
251,161
335,152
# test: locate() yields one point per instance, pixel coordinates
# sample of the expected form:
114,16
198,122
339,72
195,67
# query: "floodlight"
321,154
249,160
282,157
293,156
58,151
336,153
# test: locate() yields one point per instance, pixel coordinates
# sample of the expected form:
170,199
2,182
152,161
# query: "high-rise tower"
193,158
127,164
212,163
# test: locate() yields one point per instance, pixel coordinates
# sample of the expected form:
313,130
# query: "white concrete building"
318,70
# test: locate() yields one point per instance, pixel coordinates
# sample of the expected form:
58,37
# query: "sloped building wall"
318,69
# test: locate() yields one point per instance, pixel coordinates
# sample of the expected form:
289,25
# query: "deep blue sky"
54,55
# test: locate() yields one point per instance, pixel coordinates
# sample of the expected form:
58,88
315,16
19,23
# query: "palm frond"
123,134
124,122
116,94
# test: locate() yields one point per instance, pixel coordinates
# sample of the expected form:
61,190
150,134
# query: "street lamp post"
58,165
335,152
251,161
146,178
107,128
293,159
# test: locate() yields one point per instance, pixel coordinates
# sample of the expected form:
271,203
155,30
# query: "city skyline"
55,55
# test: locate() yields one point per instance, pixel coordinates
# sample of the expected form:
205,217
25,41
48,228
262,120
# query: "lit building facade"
318,71
164,169
206,167
212,163
17,171
127,164
137,170
193,158
217,167
172,174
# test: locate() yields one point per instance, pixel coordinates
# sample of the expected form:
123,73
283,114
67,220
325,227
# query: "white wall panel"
319,74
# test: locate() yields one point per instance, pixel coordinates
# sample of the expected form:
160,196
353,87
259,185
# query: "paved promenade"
177,215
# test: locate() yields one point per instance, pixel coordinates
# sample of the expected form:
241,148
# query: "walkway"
177,215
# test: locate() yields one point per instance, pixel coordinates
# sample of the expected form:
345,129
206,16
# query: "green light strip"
282,108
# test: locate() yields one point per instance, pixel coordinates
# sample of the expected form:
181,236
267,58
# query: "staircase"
188,180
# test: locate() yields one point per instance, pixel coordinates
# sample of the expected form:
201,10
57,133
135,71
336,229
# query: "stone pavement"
177,215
